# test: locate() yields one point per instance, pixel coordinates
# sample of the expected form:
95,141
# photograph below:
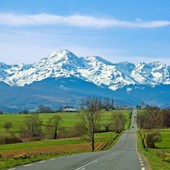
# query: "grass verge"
155,156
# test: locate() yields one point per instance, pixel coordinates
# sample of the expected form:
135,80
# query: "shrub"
151,138
7,125
7,139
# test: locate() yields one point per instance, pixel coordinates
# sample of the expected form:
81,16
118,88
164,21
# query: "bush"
151,138
7,125
7,139
68,132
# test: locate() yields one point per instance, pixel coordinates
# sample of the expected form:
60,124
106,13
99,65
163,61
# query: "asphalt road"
122,156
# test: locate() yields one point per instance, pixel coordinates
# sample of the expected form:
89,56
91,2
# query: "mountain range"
63,78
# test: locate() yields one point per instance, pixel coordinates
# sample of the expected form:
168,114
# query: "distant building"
122,107
69,110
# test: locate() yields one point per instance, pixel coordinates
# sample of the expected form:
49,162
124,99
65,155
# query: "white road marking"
12,169
28,165
140,159
52,159
83,168
80,168
95,161
41,162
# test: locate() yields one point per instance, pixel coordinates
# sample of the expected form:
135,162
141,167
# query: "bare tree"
163,118
90,118
142,120
149,118
44,109
118,120
32,127
53,126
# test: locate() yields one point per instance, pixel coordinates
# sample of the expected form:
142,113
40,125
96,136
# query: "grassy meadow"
69,119
21,153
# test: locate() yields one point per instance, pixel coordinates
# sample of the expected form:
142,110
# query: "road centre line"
95,161
83,168
52,159
140,158
12,169
28,165
80,168
41,162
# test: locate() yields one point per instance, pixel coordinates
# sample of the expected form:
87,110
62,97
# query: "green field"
158,157
68,119
26,152
99,137
17,154
165,143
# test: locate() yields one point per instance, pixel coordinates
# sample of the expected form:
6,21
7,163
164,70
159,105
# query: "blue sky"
117,30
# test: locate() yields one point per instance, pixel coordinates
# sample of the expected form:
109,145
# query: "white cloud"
17,20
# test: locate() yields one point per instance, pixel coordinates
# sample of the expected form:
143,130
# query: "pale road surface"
122,156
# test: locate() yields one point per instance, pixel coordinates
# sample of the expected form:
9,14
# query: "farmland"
25,152
16,154
68,119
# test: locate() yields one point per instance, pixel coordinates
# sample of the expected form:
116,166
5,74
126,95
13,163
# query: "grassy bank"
158,157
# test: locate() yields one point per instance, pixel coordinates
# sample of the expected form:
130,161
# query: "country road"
122,156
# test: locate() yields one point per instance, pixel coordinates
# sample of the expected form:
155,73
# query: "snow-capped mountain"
93,69
62,79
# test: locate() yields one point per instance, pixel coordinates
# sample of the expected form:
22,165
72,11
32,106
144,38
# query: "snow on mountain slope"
151,74
104,73
94,69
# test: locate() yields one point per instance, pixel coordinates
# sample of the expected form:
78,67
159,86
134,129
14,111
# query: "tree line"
90,123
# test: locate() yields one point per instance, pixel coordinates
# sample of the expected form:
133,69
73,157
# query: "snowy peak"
64,56
61,57
94,69
151,74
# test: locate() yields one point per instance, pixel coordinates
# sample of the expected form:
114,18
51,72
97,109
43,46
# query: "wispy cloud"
44,19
